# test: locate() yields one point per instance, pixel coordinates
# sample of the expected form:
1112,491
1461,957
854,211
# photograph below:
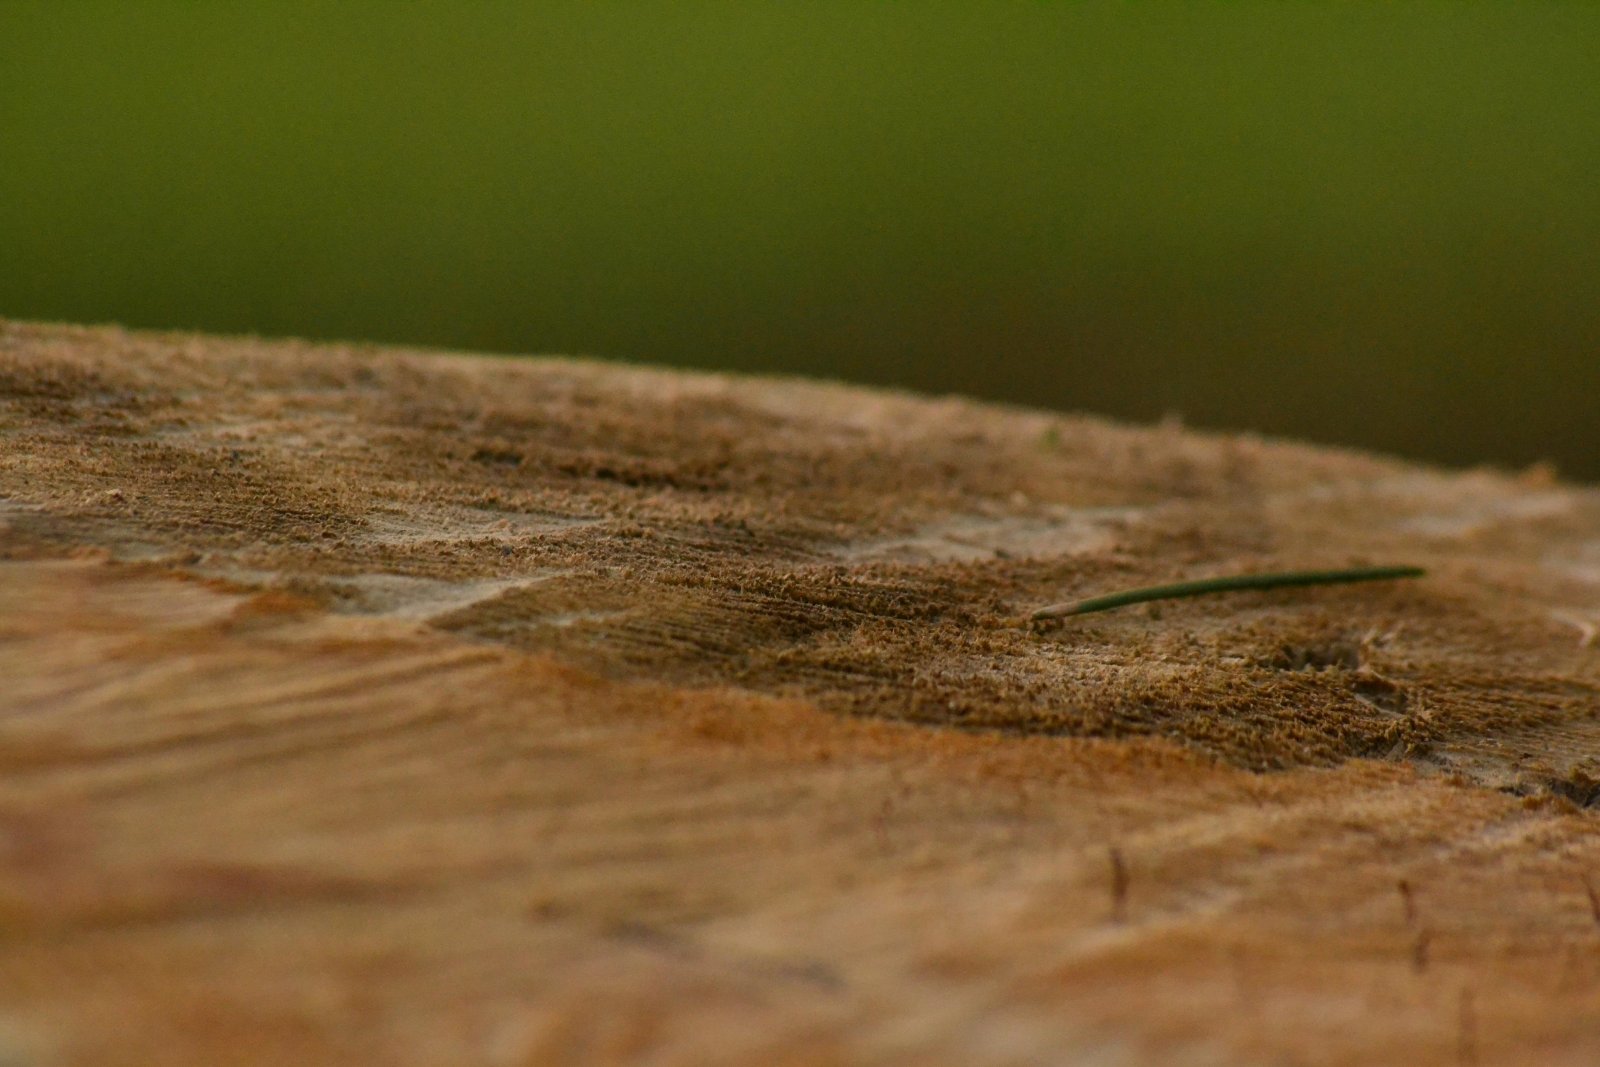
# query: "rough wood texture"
371,706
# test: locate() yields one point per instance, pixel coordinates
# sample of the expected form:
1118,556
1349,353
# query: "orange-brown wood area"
360,705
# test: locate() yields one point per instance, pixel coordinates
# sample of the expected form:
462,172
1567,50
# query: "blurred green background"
1370,224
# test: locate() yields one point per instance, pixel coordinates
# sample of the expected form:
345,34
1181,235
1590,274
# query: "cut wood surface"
370,706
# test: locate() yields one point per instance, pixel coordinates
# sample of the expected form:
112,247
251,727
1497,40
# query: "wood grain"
375,706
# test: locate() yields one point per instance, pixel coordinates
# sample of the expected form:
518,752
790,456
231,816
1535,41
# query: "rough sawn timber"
370,706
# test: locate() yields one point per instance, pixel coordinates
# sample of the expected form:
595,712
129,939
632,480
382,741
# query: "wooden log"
370,706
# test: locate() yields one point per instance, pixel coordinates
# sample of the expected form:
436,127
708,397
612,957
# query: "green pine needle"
1199,587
